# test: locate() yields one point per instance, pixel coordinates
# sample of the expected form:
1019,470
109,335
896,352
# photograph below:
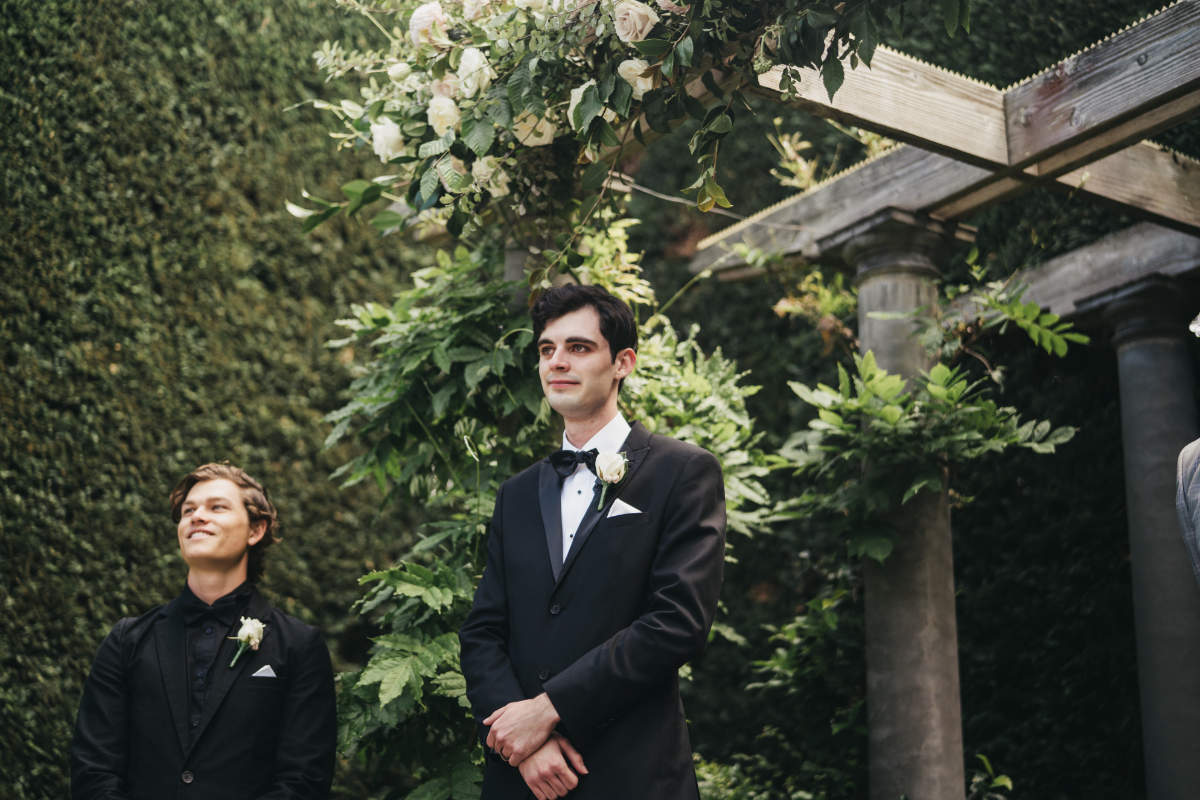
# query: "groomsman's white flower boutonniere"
610,469
249,636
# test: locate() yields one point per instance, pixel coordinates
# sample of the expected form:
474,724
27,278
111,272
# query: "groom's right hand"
547,772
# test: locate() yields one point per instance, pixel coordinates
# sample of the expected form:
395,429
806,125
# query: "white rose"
532,131
610,467
443,114
675,8
636,71
251,632
475,72
399,71
576,97
633,21
428,24
446,86
488,175
386,139
532,5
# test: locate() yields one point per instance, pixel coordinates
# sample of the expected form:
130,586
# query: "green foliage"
984,781
157,310
875,444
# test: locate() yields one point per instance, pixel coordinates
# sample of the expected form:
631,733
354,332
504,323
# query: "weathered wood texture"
1159,184
1109,263
1117,80
905,177
910,100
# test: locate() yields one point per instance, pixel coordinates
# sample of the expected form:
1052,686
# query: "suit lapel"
637,444
170,646
224,676
550,502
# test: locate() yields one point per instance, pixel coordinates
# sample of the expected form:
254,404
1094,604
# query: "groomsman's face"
578,372
214,528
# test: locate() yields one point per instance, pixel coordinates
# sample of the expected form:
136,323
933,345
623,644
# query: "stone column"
914,716
1158,417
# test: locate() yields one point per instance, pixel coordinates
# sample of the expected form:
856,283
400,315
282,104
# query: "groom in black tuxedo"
603,568
176,706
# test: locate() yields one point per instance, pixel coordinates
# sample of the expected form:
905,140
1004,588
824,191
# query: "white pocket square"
264,671
620,508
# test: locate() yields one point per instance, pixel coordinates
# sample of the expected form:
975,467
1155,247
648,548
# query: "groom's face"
578,372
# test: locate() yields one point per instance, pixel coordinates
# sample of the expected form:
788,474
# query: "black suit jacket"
259,737
604,633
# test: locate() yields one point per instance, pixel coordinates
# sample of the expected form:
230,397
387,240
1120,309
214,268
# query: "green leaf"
478,134
876,547
594,176
387,220
519,86
653,49
434,147
950,9
684,51
832,75
588,107
722,124
316,219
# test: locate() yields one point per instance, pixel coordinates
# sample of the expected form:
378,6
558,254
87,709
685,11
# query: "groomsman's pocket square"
620,508
264,671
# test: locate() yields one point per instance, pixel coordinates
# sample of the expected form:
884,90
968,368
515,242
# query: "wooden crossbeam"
909,100
967,125
1131,76
915,180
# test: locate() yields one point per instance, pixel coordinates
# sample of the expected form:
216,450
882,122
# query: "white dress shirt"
577,488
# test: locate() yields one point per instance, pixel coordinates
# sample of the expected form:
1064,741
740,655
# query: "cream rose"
532,131
399,71
474,71
443,114
633,21
488,175
427,25
636,71
610,467
386,139
532,5
448,85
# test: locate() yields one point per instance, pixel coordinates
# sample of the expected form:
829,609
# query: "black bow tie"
566,461
226,610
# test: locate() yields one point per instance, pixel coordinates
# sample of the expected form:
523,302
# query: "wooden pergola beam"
978,143
911,101
1129,86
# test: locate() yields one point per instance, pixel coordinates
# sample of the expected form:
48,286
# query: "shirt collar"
606,440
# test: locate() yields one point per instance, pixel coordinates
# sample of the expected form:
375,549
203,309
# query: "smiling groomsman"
215,695
603,568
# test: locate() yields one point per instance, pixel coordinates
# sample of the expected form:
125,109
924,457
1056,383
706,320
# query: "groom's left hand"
520,728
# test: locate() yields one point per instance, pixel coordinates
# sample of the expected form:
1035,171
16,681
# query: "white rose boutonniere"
249,637
610,469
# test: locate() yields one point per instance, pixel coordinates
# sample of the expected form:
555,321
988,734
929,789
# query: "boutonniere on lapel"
249,637
610,469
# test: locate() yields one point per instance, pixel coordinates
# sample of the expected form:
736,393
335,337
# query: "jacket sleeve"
1187,500
308,731
491,680
99,747
683,586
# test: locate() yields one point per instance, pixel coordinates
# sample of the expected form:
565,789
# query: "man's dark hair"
616,320
254,498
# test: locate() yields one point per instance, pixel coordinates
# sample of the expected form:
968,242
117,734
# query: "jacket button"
543,674
187,776
554,609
